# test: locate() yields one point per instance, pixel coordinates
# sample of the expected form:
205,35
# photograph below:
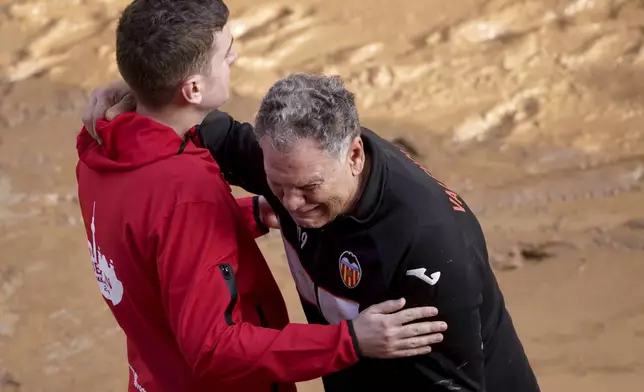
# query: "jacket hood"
131,141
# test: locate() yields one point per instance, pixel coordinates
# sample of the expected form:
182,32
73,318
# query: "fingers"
114,97
420,329
126,104
413,314
100,107
88,112
410,352
271,221
387,306
416,344
89,108
420,341
93,111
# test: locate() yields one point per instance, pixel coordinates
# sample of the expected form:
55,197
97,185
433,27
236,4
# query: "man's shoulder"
215,121
419,211
217,126
413,200
418,193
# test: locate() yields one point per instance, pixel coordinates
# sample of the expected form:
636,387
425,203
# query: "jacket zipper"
315,285
231,283
229,277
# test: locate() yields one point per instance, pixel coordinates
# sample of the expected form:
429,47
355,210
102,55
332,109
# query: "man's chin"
309,223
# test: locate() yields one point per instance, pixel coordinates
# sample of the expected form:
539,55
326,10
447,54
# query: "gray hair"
303,106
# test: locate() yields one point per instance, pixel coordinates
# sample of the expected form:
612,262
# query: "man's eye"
311,187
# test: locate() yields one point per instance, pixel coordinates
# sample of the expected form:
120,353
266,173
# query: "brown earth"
532,110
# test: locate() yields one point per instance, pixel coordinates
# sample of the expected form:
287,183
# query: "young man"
362,222
172,251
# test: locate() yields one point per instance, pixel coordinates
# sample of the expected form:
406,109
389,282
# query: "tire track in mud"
564,186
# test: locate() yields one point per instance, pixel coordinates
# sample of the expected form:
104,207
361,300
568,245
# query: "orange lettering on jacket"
457,205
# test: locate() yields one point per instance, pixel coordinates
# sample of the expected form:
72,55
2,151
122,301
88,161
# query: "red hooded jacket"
175,258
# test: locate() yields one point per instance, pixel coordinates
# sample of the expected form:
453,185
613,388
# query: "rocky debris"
53,199
500,120
8,383
406,145
626,236
8,198
17,108
521,253
606,180
67,219
32,67
635,224
62,206
506,261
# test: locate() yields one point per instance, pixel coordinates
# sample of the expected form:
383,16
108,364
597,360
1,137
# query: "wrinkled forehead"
302,164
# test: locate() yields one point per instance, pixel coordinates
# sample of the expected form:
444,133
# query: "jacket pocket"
231,283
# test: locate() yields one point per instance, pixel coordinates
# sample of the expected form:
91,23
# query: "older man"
362,222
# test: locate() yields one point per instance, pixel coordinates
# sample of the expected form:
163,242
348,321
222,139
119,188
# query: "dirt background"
532,110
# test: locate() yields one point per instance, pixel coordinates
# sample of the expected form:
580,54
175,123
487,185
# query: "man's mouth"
304,214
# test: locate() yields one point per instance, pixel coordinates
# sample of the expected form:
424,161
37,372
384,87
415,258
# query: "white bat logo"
420,274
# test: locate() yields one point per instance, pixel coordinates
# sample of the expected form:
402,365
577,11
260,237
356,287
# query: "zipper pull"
227,271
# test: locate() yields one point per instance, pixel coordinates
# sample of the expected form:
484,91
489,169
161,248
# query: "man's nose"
292,200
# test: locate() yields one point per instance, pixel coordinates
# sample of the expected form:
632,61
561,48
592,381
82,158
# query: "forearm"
299,352
237,152
251,214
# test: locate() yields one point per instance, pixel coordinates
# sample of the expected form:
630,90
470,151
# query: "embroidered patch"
350,270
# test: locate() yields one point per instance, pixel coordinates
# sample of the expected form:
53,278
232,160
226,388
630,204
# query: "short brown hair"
160,42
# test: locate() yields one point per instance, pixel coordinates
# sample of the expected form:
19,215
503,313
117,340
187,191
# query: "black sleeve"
237,152
440,270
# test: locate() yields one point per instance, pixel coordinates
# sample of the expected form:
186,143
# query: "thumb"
127,104
390,306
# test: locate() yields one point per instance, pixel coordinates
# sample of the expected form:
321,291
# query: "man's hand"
267,215
108,101
381,333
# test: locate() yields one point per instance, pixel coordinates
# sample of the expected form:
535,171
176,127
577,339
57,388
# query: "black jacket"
410,236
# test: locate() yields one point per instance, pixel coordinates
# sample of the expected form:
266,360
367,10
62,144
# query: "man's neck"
179,119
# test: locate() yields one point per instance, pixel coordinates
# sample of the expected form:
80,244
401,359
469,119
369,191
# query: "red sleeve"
200,239
249,207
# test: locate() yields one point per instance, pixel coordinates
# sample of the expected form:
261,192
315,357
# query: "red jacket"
176,261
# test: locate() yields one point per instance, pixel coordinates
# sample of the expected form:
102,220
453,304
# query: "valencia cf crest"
350,270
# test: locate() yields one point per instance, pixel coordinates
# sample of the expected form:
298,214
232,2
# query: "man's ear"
192,90
356,155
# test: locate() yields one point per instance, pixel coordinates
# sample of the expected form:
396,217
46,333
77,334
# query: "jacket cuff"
258,216
354,339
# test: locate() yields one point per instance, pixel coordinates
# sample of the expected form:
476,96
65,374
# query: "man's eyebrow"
312,181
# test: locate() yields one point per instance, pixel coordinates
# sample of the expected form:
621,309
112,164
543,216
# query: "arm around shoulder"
236,150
